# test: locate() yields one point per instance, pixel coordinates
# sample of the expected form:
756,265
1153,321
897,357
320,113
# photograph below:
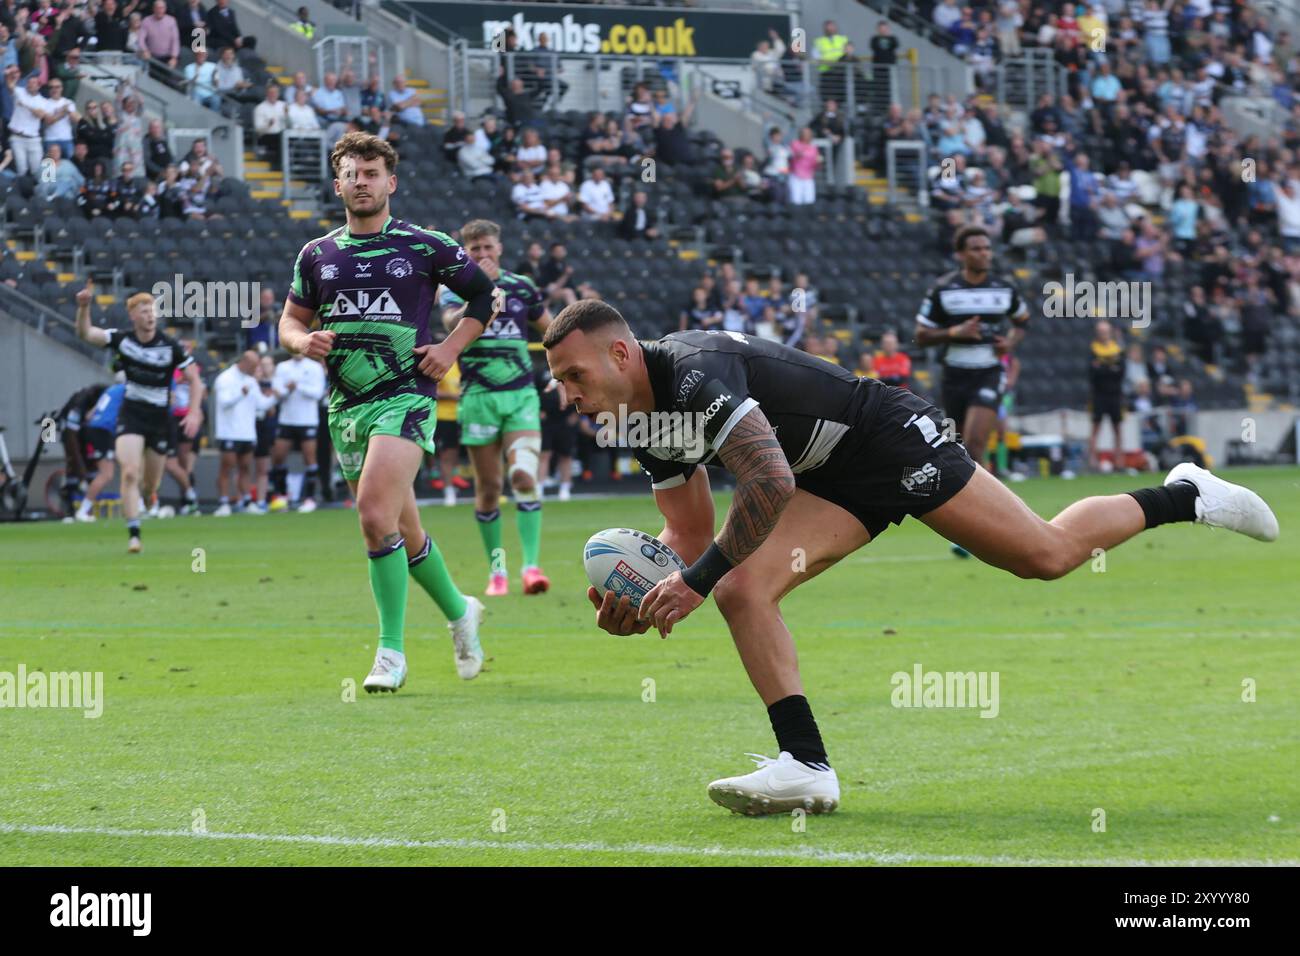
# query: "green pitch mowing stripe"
229,734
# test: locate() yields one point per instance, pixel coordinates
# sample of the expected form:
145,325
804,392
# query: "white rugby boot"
778,786
464,636
388,674
1221,504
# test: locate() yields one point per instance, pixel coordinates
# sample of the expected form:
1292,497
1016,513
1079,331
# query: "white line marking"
811,854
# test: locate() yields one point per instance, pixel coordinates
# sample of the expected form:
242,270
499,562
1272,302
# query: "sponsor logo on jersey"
377,304
715,406
690,382
329,271
159,355
399,268
975,301
922,481
363,270
739,337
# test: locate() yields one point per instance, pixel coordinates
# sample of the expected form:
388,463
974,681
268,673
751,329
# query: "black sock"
309,482
796,731
1168,503
133,528
279,478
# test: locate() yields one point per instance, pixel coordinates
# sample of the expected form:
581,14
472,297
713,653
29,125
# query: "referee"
977,317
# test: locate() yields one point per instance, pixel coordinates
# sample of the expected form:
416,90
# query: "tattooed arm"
764,485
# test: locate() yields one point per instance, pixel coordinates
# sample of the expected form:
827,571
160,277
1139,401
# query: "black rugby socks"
1168,503
796,731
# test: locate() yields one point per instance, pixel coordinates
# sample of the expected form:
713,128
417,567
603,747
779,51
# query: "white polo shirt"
236,409
300,407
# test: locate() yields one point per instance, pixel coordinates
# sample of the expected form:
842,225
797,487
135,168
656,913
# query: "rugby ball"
629,562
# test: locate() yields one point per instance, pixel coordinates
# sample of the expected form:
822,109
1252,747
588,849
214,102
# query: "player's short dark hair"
477,228
968,232
362,146
585,315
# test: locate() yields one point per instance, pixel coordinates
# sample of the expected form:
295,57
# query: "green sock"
1002,457
388,584
529,519
430,572
489,526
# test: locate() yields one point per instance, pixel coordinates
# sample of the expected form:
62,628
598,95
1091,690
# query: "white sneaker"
1221,504
85,515
778,786
564,492
464,635
151,512
307,506
68,519
253,508
388,674
223,510
449,496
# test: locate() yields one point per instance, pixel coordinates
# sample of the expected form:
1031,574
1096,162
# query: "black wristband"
701,576
478,298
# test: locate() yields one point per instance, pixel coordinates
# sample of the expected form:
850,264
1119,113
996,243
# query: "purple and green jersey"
377,292
498,360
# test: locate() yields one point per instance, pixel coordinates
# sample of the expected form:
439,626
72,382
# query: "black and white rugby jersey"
820,411
148,365
952,300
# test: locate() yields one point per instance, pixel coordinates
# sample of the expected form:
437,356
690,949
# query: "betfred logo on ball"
627,561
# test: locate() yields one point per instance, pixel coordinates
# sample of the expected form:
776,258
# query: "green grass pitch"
226,739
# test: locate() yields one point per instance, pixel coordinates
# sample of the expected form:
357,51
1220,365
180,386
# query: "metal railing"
603,81
94,68
905,171
757,98
303,156
1021,80
156,103
334,54
47,321
458,74
839,162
